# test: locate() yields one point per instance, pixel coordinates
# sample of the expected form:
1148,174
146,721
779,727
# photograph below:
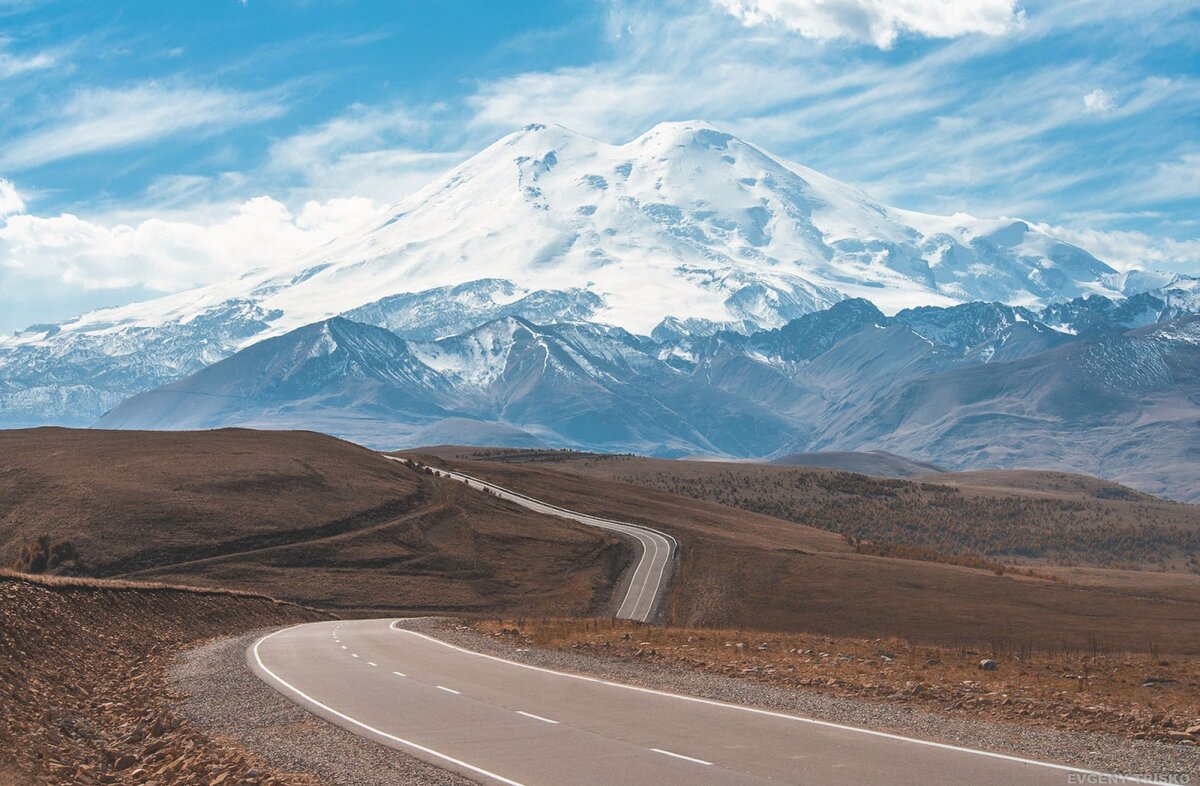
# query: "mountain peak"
544,136
686,133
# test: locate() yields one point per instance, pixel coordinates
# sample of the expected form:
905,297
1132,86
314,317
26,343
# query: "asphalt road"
503,722
656,549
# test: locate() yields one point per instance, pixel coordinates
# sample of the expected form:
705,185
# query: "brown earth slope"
296,515
743,569
1023,517
84,696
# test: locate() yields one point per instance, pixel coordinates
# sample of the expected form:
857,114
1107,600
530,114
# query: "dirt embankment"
84,696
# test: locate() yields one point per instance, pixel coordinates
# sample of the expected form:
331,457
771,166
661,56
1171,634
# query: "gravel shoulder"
225,698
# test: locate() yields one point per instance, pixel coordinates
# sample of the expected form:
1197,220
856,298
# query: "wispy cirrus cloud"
102,119
1175,180
991,124
14,63
381,152
879,23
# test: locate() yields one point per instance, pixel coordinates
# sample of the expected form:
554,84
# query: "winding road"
657,549
500,721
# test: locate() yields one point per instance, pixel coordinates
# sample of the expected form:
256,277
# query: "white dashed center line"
398,674
449,690
353,655
681,756
372,663
536,717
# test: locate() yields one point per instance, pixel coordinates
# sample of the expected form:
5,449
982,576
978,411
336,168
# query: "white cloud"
914,130
106,119
1171,181
879,21
1099,101
1131,250
366,151
170,254
15,65
12,64
10,201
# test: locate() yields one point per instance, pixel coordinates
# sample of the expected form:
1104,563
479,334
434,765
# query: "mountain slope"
342,368
971,386
685,227
570,384
1121,406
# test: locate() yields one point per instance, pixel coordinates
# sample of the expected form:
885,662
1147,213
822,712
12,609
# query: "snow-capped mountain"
685,229
980,384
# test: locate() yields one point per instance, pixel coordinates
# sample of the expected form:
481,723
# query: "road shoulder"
224,697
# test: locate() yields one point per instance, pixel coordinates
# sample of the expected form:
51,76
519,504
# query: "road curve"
650,576
498,721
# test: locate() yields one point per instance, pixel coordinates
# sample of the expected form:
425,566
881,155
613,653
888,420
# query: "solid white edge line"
366,727
535,717
799,718
681,756
449,690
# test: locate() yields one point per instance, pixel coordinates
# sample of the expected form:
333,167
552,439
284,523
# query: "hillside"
1021,517
879,463
84,690
744,569
1121,406
299,515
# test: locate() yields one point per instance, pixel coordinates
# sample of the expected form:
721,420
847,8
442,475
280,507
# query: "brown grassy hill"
743,569
83,685
297,515
1021,517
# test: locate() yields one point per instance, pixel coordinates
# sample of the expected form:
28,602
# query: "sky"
149,147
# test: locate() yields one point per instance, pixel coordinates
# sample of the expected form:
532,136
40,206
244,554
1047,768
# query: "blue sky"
147,147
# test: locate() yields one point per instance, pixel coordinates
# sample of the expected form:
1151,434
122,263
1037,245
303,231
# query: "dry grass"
84,695
1088,522
82,582
294,515
1142,695
738,568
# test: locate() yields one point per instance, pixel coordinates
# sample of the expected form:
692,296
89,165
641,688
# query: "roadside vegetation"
936,522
